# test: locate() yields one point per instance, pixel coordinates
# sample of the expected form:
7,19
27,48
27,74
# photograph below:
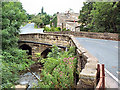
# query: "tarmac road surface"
29,28
107,52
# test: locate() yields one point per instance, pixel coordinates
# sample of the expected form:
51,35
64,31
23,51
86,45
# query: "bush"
12,64
52,29
58,69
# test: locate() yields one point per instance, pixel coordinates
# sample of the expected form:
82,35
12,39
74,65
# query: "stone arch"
45,53
26,47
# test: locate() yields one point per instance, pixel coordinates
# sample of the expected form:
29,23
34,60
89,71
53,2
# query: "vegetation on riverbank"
59,68
14,59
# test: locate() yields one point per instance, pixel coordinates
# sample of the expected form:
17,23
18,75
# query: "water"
29,78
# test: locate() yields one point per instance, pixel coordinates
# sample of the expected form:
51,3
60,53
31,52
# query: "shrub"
52,29
58,69
12,64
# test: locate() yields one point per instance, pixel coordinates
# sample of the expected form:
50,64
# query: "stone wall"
87,64
108,36
62,40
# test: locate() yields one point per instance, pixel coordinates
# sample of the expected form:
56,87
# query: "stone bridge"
42,42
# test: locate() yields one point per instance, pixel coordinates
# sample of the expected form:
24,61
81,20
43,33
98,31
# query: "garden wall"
108,36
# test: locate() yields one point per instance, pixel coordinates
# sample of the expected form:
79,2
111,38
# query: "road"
106,51
29,28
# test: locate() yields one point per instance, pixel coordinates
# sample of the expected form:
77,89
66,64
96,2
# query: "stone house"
68,20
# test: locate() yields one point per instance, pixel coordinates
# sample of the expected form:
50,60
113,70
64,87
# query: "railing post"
103,74
98,72
100,77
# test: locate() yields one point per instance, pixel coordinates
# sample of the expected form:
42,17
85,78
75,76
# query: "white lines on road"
116,46
117,72
116,79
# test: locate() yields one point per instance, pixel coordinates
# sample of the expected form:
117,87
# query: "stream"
30,78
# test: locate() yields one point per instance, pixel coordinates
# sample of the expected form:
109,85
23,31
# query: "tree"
37,20
30,16
42,10
100,16
12,17
13,59
85,17
106,16
41,19
53,22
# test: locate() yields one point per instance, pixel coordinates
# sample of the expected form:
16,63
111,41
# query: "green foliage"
13,62
52,29
13,59
41,19
38,22
42,10
12,17
100,17
53,22
55,52
64,29
58,69
30,16
46,19
12,14
85,17
106,19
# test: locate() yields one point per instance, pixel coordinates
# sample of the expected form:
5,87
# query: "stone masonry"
95,35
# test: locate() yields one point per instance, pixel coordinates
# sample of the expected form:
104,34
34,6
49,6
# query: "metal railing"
100,77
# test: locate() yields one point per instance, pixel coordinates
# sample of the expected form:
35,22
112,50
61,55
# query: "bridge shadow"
45,53
26,47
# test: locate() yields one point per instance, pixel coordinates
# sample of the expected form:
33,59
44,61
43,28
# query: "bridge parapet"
87,64
47,38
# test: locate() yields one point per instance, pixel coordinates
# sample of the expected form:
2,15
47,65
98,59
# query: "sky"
51,6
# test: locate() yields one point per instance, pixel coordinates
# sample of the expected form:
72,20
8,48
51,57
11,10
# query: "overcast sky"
51,6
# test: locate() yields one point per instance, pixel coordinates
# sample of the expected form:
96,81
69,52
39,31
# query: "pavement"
106,51
29,28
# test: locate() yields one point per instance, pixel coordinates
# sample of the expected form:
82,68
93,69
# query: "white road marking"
116,79
116,47
117,72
